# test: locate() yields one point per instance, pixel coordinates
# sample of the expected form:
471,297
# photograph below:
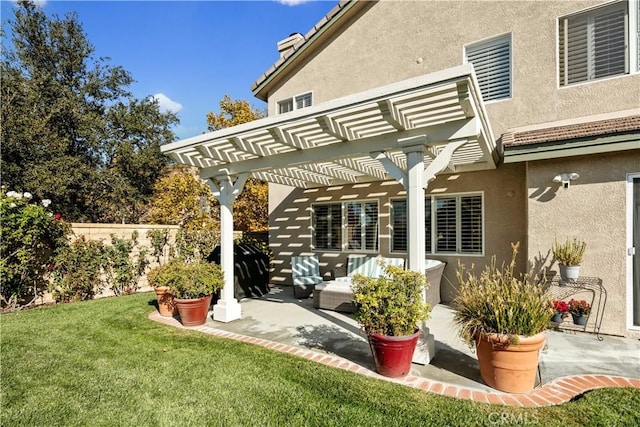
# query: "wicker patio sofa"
336,294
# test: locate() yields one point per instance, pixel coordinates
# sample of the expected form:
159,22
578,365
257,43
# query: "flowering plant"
31,235
579,307
561,307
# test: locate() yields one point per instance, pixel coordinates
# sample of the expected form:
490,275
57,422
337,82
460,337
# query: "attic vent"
287,45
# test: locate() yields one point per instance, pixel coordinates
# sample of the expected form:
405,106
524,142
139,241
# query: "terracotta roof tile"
321,23
573,131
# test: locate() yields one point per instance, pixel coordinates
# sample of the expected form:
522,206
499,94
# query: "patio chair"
305,271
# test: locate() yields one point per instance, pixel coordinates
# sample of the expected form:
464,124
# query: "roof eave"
570,148
260,87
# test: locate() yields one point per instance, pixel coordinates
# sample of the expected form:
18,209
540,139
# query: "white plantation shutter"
593,45
399,224
327,226
370,226
492,63
471,224
446,224
303,101
285,106
458,224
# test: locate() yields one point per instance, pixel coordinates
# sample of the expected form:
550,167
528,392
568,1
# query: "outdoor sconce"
566,178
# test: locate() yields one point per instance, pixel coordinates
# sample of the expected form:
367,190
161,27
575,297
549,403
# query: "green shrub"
497,301
78,272
188,279
31,234
196,242
123,266
392,304
159,240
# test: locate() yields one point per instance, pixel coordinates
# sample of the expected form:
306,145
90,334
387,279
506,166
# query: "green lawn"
104,363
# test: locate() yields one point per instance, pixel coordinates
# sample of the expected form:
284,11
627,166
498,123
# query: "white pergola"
409,131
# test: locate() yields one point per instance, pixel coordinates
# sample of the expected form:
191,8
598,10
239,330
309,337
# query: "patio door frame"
633,241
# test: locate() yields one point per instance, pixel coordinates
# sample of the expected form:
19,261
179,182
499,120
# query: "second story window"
593,44
492,62
297,102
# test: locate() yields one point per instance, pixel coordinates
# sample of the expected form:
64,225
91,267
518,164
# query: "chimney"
286,46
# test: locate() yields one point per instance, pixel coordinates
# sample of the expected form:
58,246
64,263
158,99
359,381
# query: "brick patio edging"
560,390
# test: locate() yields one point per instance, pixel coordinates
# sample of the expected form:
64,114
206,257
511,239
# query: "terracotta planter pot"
166,304
510,368
392,355
193,312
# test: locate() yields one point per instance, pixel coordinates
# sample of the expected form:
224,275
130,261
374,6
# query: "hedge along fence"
104,233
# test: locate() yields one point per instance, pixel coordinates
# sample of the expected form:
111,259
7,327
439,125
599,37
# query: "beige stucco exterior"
504,196
389,41
592,209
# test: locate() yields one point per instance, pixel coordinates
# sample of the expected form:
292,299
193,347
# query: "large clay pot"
166,304
193,312
393,355
509,367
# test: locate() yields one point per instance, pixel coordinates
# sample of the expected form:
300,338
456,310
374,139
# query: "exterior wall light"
566,178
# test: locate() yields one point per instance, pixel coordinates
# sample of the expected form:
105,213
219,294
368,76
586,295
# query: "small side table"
561,290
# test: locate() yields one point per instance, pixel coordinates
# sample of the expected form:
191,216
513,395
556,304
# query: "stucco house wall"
391,41
504,191
592,209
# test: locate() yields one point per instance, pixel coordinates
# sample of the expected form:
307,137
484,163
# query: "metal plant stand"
562,290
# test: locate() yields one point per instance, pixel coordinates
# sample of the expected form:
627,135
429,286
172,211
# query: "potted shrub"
160,279
505,316
569,256
561,310
192,285
390,309
580,310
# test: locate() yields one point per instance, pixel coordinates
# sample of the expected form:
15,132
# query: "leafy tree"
252,205
232,113
181,198
71,130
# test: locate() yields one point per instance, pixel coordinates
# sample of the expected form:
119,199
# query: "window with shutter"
327,226
399,225
458,225
285,106
297,102
303,101
351,226
446,225
593,44
470,224
492,63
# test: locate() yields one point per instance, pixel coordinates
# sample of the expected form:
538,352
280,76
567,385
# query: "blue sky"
191,52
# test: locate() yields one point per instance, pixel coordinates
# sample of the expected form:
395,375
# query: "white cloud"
166,104
292,2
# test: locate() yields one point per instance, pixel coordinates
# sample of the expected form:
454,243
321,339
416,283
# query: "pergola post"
225,191
415,208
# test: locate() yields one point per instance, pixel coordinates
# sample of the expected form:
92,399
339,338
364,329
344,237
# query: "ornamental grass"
498,301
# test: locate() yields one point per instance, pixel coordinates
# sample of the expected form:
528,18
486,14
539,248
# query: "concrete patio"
284,323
